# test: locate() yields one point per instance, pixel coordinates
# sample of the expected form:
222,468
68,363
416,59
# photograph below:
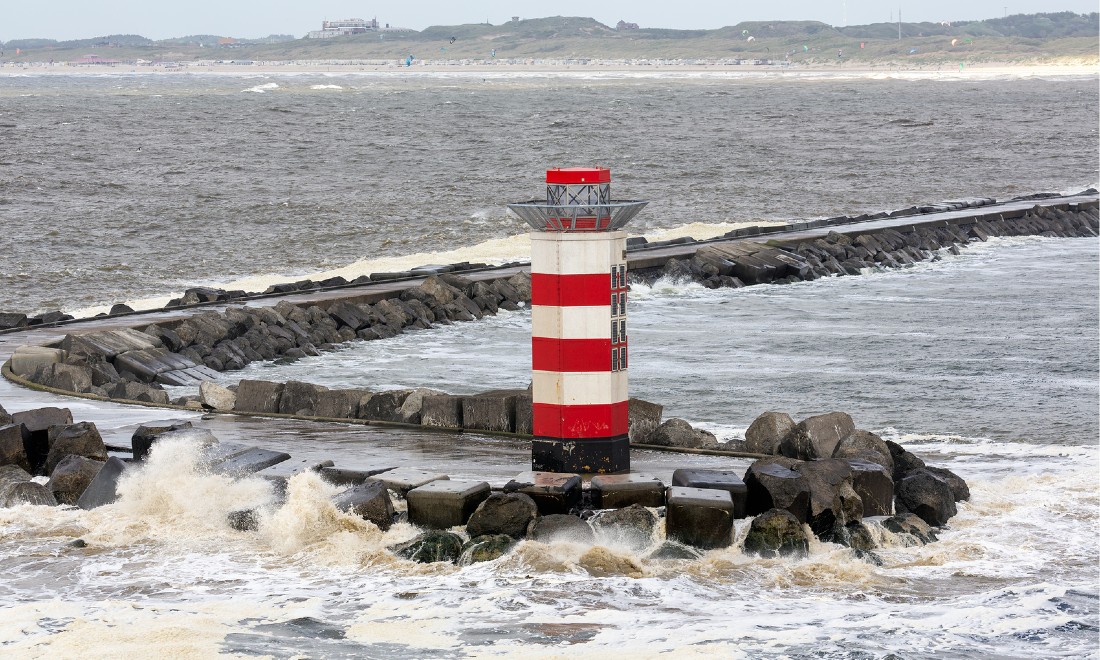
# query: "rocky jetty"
745,263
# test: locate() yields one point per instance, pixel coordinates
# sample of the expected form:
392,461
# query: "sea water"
984,363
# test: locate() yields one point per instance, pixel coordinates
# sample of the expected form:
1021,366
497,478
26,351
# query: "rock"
767,431
80,439
560,527
772,483
486,548
120,308
5,418
866,446
36,439
910,524
244,520
926,495
777,532
410,409
959,490
383,406
430,547
127,391
338,404
817,437
12,450
678,433
103,489
146,434
904,461
71,477
258,396
299,398
643,420
503,513
26,492
670,550
875,487
632,526
833,500
216,397
10,320
370,501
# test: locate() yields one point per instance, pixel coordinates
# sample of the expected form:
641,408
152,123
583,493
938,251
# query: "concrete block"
875,486
730,482
345,477
249,461
615,491
343,404
490,411
699,517
444,503
553,492
216,397
402,480
103,489
281,473
27,359
525,416
258,396
441,411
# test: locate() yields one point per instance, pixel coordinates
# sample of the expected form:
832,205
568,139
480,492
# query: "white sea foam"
260,89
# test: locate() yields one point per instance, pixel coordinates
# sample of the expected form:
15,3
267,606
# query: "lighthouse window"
614,278
622,330
622,275
622,358
614,332
614,360
622,304
614,304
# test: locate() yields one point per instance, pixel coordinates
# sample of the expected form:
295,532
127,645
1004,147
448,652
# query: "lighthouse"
579,347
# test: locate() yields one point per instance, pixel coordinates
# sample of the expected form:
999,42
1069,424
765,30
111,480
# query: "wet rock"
503,513
643,419
5,418
71,477
10,320
631,526
875,487
959,490
777,533
80,439
383,406
216,397
411,408
833,500
244,520
26,492
866,446
146,434
772,483
431,547
12,450
258,396
37,423
817,437
128,391
678,433
486,548
904,461
926,495
370,501
560,527
670,550
299,398
103,489
912,525
338,404
767,431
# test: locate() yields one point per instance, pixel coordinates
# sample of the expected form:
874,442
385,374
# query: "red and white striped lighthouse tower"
578,323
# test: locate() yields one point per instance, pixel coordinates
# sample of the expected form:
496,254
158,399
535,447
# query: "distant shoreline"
627,67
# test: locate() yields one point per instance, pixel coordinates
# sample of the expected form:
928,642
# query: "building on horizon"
623,25
343,28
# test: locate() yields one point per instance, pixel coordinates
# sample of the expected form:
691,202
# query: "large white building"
343,27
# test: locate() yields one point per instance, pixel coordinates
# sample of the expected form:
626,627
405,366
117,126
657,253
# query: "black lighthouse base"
581,456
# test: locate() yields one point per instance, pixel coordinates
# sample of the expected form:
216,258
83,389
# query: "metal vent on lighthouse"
578,323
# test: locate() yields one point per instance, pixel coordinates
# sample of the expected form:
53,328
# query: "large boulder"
926,495
904,461
910,526
370,501
631,526
875,487
959,490
676,432
80,439
560,527
71,477
767,431
410,409
833,500
17,488
146,434
258,396
776,533
37,423
5,418
383,406
774,483
503,513
430,547
216,397
337,404
299,398
642,420
486,548
865,446
12,449
817,436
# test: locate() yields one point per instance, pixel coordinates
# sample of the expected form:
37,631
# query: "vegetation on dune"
1019,38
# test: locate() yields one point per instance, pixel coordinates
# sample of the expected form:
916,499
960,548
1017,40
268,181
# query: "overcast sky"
159,19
